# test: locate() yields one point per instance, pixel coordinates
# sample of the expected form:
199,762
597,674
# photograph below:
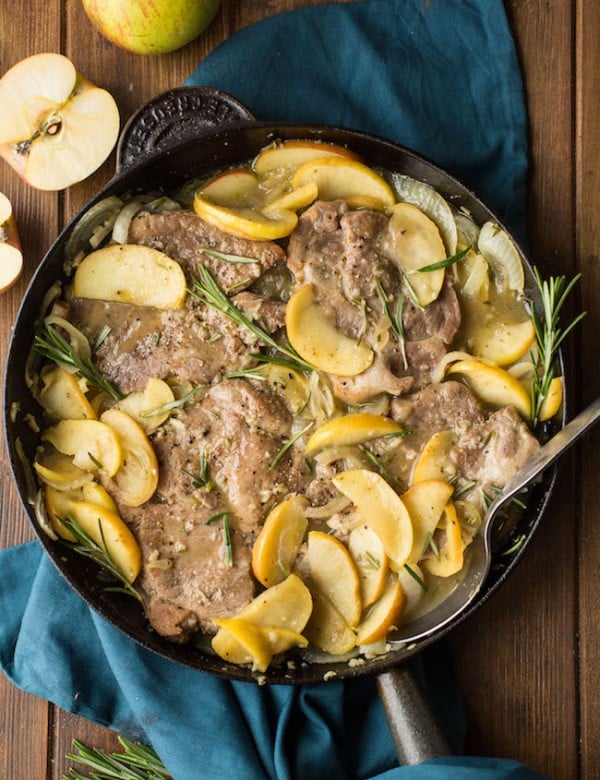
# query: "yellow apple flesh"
151,28
11,257
57,127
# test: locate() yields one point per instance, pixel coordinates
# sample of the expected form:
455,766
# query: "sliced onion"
332,507
120,230
321,403
430,202
41,515
98,215
76,338
467,229
439,371
477,280
503,257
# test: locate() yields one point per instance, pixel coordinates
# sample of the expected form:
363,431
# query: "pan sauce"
475,284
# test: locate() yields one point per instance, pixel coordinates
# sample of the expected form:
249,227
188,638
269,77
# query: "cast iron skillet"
186,134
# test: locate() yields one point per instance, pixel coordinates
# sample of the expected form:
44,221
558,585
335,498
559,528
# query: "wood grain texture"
529,662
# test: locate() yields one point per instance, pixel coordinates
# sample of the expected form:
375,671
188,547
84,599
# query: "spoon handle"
549,452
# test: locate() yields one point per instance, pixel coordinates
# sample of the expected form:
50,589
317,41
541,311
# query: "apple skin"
151,26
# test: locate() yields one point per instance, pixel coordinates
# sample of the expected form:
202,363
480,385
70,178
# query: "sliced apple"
93,445
237,187
425,502
58,470
62,398
11,256
371,561
338,177
502,256
313,334
384,615
502,343
128,273
287,383
451,547
246,223
434,460
413,241
254,644
293,200
294,153
382,509
332,572
137,477
277,545
327,629
493,385
352,429
60,503
57,127
147,406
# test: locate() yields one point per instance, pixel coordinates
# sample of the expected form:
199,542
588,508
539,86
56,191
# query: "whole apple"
151,26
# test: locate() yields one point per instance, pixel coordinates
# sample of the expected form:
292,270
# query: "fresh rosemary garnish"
173,404
549,335
50,344
415,577
380,468
208,292
136,762
395,318
445,263
202,479
516,545
88,547
227,257
224,515
462,487
95,461
289,443
431,545
102,336
213,518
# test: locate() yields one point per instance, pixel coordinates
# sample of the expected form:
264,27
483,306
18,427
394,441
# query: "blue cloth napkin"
440,76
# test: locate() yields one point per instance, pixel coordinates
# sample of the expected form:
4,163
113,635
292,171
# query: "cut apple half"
292,154
57,127
315,337
11,256
130,273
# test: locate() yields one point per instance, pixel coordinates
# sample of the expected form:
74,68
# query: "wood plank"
516,659
588,254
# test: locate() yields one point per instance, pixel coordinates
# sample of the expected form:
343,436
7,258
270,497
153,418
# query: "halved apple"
11,256
147,406
137,477
277,545
314,336
352,429
331,571
384,615
493,385
130,273
93,445
371,561
382,509
339,177
425,502
434,460
294,153
413,242
57,127
62,398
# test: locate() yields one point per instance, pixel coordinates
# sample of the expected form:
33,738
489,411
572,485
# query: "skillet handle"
416,734
178,115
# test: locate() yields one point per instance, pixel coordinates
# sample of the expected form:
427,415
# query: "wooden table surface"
528,662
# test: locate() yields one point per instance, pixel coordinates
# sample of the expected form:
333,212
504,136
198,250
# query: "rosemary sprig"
173,404
224,515
89,548
380,468
445,263
208,292
515,546
415,577
102,336
431,545
136,762
395,318
50,344
289,443
202,478
549,335
228,257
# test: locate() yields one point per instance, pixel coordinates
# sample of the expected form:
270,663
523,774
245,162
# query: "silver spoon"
480,550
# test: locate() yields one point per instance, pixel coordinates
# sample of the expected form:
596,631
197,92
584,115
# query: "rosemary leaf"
227,257
289,444
227,540
415,577
136,762
173,404
102,336
380,468
445,263
202,479
395,318
213,518
50,344
516,546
